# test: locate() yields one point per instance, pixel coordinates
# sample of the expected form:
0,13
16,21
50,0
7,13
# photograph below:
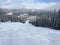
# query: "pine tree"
58,20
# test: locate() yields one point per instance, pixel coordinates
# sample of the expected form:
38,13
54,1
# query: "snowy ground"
26,34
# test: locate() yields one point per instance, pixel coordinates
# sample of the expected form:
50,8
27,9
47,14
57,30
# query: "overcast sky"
30,4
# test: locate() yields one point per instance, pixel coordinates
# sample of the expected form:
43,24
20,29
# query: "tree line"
51,21
45,20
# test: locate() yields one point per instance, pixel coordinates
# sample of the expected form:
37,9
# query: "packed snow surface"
26,34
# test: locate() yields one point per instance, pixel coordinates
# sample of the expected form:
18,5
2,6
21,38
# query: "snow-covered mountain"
26,34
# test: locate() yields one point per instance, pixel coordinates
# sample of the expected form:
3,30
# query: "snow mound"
27,21
26,34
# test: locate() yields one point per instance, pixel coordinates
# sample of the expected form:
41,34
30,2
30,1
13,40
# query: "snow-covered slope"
26,34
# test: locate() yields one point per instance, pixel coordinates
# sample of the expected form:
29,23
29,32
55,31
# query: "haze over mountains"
30,4
56,6
43,7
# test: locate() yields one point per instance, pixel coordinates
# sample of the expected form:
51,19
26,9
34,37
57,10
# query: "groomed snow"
26,34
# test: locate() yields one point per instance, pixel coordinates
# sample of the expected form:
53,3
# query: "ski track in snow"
26,34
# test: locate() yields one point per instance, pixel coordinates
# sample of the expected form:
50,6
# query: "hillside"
26,34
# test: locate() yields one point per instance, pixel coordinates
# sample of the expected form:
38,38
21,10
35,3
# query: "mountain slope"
26,34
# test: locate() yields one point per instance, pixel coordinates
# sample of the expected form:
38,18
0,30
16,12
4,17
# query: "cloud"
39,5
55,6
30,4
21,1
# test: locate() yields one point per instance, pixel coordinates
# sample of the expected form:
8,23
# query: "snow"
15,33
10,13
27,22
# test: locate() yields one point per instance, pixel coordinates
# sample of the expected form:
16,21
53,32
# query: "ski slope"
26,34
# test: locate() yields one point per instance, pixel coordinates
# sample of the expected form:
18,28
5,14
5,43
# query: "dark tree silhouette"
58,20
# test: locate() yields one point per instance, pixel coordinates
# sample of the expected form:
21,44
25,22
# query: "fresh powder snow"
15,33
